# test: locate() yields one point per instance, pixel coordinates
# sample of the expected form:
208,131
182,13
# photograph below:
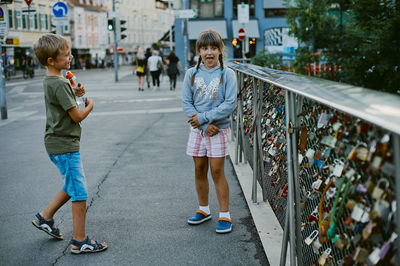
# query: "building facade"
265,29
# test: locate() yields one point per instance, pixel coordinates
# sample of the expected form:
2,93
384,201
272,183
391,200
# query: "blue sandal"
47,226
86,246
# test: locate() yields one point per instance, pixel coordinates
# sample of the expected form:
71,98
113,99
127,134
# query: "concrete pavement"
141,187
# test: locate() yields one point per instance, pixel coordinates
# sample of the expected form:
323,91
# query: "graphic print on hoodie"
209,91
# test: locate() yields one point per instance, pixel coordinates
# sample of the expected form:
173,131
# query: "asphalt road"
140,181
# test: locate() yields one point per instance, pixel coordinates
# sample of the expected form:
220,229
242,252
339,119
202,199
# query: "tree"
265,59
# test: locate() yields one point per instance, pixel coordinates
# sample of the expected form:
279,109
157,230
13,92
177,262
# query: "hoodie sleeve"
187,95
227,106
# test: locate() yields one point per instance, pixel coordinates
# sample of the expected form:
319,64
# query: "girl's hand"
80,90
212,130
193,121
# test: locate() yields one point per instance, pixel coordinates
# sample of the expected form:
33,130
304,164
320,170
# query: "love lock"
324,256
378,191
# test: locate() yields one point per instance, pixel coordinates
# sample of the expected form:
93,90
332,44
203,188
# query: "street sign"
60,9
185,13
241,34
243,13
28,2
3,20
113,14
28,10
60,21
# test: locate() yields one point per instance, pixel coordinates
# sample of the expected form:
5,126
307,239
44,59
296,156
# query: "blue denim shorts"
71,169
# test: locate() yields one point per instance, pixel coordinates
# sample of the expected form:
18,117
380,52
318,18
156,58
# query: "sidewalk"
140,182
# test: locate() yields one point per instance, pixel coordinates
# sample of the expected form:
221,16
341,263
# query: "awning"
165,37
195,27
250,29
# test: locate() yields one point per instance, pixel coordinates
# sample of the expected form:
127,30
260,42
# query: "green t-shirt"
62,133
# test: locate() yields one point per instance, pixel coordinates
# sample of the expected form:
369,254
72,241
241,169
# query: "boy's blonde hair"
49,45
213,38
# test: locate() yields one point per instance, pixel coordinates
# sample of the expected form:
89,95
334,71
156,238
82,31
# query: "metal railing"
316,147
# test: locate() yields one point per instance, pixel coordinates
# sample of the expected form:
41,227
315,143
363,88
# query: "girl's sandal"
86,246
47,226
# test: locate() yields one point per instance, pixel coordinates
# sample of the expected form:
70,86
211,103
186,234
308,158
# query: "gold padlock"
378,191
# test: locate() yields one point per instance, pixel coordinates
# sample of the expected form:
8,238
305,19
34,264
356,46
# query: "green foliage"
265,59
361,36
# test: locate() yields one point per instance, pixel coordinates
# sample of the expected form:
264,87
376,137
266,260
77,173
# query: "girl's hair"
140,55
209,37
49,45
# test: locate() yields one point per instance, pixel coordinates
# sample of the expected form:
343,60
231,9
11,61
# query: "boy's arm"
78,115
227,106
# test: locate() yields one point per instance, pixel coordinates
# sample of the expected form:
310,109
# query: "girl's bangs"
209,38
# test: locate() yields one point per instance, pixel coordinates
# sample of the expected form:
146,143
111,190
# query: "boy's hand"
193,121
80,90
212,130
89,102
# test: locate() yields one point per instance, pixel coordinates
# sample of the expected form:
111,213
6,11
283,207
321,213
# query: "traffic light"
234,41
110,24
121,28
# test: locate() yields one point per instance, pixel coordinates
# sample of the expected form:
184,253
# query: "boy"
61,140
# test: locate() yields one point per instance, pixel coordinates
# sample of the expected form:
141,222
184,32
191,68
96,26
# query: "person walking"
172,69
147,55
208,98
62,142
155,65
140,69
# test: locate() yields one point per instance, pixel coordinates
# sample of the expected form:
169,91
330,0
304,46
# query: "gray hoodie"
212,101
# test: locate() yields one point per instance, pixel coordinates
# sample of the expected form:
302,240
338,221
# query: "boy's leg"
59,200
201,180
79,219
220,182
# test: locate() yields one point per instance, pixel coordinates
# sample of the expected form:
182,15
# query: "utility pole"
115,44
3,87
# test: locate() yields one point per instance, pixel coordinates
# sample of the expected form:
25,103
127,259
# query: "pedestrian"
208,99
172,69
140,69
147,55
155,65
62,142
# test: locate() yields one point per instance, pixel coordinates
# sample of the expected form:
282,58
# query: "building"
25,28
88,32
266,27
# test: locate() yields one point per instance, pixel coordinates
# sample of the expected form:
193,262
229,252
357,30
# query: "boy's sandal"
86,246
46,226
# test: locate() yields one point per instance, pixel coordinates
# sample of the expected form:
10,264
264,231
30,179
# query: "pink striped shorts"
200,144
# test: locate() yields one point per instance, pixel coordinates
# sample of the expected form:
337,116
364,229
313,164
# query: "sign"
60,21
185,13
28,10
241,34
28,2
60,9
113,14
3,20
243,13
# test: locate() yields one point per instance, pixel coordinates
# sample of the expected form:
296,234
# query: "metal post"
115,45
290,183
293,117
186,44
237,150
255,141
396,151
170,30
3,99
242,127
259,137
285,237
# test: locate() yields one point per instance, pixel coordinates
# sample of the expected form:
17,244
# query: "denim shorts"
71,169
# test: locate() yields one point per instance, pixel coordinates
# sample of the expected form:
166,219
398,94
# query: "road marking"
16,116
140,100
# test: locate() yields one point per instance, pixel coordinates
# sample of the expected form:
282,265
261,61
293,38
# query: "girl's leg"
201,180
141,82
153,77
158,79
174,81
220,182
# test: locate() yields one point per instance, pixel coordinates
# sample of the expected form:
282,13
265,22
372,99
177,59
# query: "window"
275,12
43,25
24,21
249,2
18,20
10,18
32,22
208,8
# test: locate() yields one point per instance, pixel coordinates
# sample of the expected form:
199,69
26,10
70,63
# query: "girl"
140,69
208,98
